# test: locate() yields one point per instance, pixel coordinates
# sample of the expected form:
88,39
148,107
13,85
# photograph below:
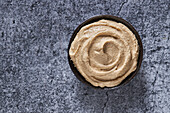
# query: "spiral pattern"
104,52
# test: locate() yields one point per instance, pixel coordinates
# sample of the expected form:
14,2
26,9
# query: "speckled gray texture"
34,73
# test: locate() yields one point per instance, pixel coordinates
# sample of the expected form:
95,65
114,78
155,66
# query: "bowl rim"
119,20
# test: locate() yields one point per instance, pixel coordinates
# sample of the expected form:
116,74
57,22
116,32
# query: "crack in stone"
153,83
105,104
121,7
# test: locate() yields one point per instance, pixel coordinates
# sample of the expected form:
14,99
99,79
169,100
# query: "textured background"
34,72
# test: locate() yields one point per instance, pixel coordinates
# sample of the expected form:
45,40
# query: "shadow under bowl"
119,20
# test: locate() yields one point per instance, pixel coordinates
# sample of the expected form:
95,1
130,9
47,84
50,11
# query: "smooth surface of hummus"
105,53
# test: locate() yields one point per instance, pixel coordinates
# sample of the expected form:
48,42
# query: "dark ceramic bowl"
113,18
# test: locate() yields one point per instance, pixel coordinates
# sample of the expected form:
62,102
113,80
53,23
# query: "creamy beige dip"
104,52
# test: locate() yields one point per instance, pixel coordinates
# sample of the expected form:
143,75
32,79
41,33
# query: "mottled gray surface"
34,72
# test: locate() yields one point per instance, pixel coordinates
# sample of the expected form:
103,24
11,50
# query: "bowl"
119,20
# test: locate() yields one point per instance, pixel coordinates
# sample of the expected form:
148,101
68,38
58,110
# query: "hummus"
105,53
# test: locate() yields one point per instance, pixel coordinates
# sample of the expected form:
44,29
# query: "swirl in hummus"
105,53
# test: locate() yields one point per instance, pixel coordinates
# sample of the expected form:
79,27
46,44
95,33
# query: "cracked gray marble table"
34,73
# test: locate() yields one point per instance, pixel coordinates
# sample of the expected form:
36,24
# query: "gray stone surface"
34,73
